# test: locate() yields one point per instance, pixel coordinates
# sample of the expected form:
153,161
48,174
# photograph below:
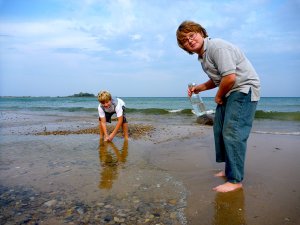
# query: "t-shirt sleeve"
119,107
101,112
225,61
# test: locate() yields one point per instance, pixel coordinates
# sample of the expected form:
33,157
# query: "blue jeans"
232,126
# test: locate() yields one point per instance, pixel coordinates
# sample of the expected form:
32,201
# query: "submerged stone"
206,119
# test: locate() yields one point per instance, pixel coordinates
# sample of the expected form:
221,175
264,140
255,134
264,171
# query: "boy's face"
106,104
193,42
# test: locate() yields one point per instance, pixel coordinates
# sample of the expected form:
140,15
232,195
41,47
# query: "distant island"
82,94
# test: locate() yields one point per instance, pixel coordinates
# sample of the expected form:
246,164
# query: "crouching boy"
106,109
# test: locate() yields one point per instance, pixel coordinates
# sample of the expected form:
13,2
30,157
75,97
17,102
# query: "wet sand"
59,172
271,193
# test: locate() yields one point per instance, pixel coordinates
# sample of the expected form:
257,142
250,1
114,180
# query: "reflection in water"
229,208
111,158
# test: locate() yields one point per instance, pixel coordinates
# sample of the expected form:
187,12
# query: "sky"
129,47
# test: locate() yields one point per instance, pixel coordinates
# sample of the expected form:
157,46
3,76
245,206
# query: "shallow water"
271,185
81,168
167,178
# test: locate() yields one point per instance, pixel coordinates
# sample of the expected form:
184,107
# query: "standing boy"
106,109
239,91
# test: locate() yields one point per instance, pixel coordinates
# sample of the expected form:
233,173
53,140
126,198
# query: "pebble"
50,203
21,205
136,131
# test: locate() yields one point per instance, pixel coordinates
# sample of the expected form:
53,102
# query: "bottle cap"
190,85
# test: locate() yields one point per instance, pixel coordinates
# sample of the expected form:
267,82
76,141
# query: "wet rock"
27,220
173,215
156,214
80,210
100,204
23,206
119,220
206,119
69,219
108,218
50,203
172,201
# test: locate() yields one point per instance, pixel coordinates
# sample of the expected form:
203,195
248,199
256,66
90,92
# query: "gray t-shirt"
221,58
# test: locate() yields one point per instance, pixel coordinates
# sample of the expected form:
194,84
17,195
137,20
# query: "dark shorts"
109,115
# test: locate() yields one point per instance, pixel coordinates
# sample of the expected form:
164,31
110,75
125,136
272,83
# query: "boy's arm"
202,87
115,131
206,86
226,84
102,126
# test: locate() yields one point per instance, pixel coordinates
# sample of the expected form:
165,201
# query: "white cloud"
136,37
143,55
49,35
160,38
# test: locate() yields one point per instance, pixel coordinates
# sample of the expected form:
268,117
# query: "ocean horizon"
276,108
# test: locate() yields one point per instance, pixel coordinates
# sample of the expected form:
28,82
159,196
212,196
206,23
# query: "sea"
274,114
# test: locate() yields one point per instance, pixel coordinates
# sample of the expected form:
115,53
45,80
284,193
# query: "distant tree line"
82,94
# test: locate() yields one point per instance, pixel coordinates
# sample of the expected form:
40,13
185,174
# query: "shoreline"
164,175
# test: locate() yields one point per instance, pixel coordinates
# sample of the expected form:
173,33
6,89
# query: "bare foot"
227,187
220,174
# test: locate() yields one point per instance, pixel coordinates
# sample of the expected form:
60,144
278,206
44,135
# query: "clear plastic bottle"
197,103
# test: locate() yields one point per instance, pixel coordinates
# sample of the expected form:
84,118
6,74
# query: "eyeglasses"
189,37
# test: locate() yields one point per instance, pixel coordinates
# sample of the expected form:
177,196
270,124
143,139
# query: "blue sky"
62,47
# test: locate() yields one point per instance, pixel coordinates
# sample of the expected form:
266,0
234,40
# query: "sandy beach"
55,170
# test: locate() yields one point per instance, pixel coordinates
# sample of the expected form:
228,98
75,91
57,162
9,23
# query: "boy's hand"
109,138
190,91
106,138
218,100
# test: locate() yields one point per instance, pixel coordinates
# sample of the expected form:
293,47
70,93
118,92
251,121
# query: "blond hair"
104,96
187,27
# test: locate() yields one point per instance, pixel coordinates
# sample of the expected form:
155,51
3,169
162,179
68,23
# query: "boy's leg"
125,130
239,116
218,136
125,124
238,120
